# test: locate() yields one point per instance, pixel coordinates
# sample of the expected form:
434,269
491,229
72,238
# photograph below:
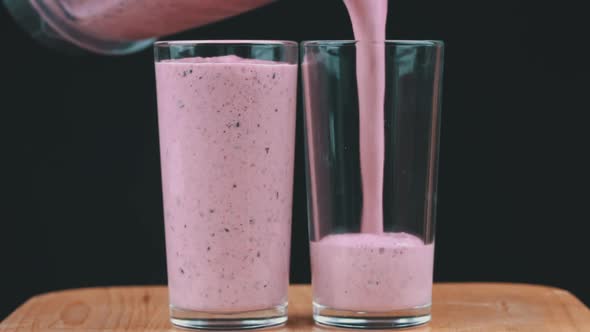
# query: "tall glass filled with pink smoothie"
227,129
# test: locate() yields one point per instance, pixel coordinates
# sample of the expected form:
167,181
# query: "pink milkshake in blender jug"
118,27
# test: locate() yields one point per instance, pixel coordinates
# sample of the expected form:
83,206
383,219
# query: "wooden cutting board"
458,307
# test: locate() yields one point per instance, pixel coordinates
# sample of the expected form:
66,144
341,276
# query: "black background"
81,182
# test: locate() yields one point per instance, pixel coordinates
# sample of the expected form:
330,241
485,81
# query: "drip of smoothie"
227,132
368,23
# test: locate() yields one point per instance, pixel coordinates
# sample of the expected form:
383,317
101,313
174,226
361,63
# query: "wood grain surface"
458,307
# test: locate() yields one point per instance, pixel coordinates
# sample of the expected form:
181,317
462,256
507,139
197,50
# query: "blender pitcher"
117,27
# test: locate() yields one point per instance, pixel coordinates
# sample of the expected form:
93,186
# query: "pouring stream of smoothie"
368,23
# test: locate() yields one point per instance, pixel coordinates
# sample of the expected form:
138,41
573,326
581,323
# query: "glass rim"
226,42
387,42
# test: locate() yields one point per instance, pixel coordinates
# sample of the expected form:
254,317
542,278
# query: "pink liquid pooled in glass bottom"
227,131
372,272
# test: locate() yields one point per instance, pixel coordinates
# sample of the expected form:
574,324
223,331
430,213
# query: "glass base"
371,320
229,321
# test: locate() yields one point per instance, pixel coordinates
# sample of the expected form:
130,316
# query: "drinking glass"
372,115
226,112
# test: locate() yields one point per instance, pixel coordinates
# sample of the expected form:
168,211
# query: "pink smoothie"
227,131
372,272
127,20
